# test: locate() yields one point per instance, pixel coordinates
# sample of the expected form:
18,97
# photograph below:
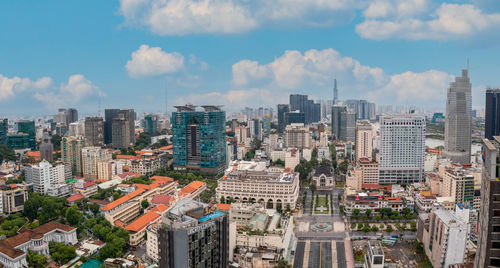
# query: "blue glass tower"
199,139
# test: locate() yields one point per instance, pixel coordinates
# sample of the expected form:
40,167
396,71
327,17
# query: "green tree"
94,208
61,253
343,166
160,143
36,260
283,264
143,141
377,217
360,226
413,226
374,228
355,212
368,213
366,229
73,216
6,153
389,228
312,186
31,206
222,200
56,141
144,203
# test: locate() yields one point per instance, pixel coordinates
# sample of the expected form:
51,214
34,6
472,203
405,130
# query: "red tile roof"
160,208
164,148
142,222
88,184
162,199
193,186
122,199
130,157
224,206
74,198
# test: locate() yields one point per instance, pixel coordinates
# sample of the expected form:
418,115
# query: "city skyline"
124,57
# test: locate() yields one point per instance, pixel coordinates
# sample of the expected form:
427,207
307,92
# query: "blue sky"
125,53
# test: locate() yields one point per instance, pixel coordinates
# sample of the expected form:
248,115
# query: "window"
496,213
495,244
494,262
496,228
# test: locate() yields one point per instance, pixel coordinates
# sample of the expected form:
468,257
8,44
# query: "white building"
402,147
44,175
60,190
249,181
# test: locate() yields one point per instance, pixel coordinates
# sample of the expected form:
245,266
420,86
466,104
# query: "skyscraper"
364,110
458,122
487,253
282,109
151,124
192,237
46,148
364,137
402,147
71,153
71,116
311,110
199,138
492,113
343,123
121,138
4,129
94,131
28,127
294,117
336,113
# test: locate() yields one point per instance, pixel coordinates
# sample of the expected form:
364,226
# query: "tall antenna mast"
166,99
99,107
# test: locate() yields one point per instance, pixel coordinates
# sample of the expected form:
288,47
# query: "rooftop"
142,222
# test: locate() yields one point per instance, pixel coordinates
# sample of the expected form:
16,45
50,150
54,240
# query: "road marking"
307,247
334,254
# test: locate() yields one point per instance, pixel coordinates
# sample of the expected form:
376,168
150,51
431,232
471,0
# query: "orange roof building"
193,189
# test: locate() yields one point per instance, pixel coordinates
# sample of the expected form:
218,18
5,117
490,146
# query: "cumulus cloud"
236,98
75,90
10,86
386,20
294,69
312,72
153,61
180,17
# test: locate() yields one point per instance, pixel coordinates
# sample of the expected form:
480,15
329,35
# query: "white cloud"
235,99
76,89
10,86
153,61
413,87
180,17
293,70
448,21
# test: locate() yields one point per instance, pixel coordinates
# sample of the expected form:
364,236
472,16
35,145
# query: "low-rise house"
86,188
60,190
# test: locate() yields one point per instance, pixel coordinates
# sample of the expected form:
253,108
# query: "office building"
444,237
335,92
364,139
4,130
125,126
13,197
297,136
282,110
191,236
402,147
347,126
71,116
255,126
459,185
294,117
94,131
311,110
91,157
71,153
250,181
363,109
46,148
488,249
150,124
25,137
458,122
199,138
336,115
492,113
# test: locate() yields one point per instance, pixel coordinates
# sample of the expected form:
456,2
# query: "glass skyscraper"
492,113
199,138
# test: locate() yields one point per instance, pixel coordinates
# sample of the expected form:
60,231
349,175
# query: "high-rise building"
94,131
71,153
336,114
123,129
347,126
294,117
192,237
28,127
109,114
363,109
311,110
402,147
458,122
44,175
199,138
46,147
71,116
492,113
297,136
488,249
364,139
459,185
151,124
255,126
91,156
4,129
282,110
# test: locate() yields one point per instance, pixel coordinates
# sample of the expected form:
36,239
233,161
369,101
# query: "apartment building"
297,136
91,157
364,140
250,181
13,197
86,188
44,175
138,227
458,185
